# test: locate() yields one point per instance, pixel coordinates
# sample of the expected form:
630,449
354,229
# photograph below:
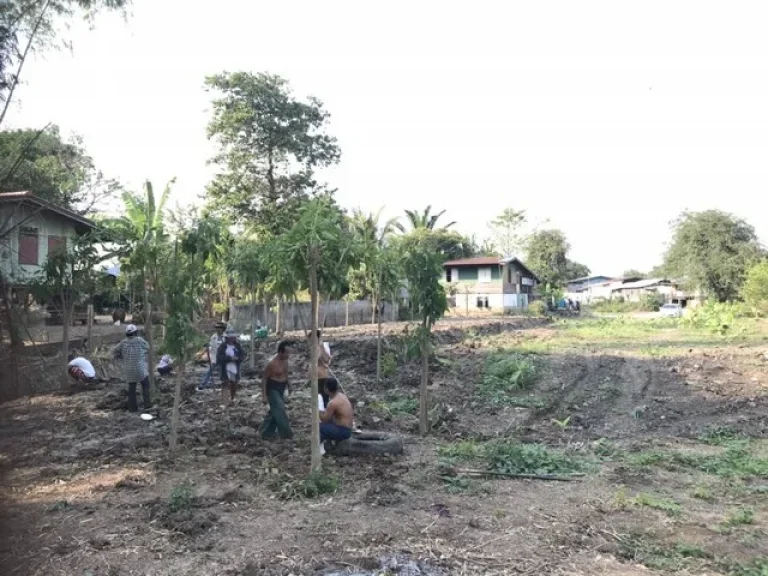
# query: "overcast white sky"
608,118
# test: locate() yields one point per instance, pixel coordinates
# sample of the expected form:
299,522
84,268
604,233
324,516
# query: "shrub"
538,308
506,374
182,498
651,302
717,317
388,364
755,290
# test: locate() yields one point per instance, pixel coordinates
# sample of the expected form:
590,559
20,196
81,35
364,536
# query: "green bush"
715,317
388,364
755,290
537,308
651,302
511,457
506,374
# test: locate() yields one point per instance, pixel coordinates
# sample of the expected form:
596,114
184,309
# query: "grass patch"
513,458
388,364
395,405
505,376
736,462
650,501
741,516
182,497
702,492
313,486
720,436
757,567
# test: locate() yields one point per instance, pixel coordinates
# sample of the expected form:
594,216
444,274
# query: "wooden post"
378,333
346,320
66,320
165,315
253,329
90,327
423,395
173,440
279,319
315,411
150,340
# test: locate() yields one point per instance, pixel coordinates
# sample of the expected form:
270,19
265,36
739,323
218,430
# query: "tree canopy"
712,251
546,255
270,143
58,171
423,220
506,232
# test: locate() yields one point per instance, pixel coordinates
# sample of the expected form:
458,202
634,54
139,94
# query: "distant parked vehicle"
671,311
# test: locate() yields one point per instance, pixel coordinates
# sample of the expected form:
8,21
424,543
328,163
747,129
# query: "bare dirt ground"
667,427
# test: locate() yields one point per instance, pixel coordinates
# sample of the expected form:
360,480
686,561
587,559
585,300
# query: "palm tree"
419,220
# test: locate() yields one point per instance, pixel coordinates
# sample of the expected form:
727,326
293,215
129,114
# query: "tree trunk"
165,314
423,397
253,330
315,413
346,320
90,327
378,336
279,319
173,441
325,310
150,340
301,315
66,320
374,300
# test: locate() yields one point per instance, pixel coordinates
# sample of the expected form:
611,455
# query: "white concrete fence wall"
332,313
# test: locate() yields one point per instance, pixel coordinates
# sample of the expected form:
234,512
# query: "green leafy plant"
650,501
504,376
317,484
745,515
388,365
181,498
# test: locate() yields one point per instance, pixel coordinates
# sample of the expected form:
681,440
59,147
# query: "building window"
484,275
479,302
448,275
509,274
56,243
28,247
485,301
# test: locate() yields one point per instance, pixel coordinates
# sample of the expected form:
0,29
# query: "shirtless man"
323,364
273,389
336,421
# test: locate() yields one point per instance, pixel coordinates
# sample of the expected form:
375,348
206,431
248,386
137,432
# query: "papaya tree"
422,265
320,247
378,271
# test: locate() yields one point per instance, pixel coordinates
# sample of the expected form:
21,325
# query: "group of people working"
225,356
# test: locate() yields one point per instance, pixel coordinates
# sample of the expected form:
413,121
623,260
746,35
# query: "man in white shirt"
81,370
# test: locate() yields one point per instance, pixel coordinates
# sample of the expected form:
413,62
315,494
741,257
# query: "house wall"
47,224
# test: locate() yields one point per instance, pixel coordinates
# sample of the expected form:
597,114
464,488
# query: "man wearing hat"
212,349
228,358
133,352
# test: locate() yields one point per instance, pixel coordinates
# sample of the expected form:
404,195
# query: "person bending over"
82,370
336,421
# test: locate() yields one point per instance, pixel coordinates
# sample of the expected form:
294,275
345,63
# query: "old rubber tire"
369,444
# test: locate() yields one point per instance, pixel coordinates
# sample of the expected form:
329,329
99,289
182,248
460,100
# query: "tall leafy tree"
632,273
575,270
712,251
423,220
755,290
320,247
547,256
270,144
28,26
506,232
58,171
422,266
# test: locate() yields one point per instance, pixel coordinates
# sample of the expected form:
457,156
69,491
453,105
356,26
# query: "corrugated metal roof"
647,283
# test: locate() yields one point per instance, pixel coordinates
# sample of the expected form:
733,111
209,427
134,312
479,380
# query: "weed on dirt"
510,457
505,376
318,483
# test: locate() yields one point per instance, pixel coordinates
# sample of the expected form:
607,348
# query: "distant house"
635,291
581,284
30,229
498,284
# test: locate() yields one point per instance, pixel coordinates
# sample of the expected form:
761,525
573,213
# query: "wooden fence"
332,313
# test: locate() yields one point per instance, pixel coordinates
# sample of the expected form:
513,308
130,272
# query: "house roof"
489,261
480,261
643,283
587,278
27,197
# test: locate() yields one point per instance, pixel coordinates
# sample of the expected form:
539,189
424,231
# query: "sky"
607,119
